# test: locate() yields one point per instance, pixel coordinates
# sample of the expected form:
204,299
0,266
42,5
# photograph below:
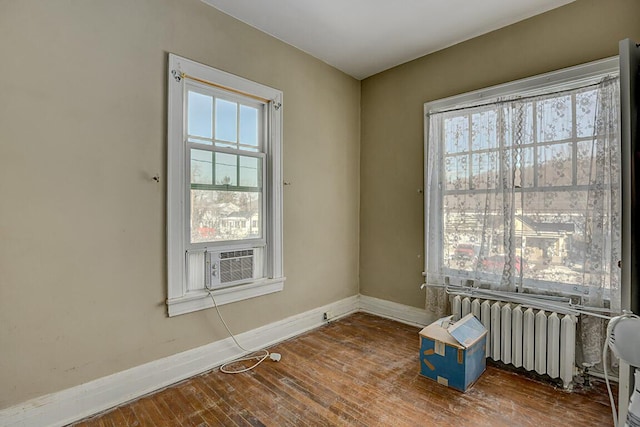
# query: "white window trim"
179,300
566,78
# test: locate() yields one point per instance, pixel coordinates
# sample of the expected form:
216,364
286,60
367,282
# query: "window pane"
225,215
226,120
586,161
520,162
200,115
484,167
555,119
201,167
527,173
585,113
554,165
522,117
483,134
250,172
456,134
226,169
457,172
539,238
553,239
471,231
248,125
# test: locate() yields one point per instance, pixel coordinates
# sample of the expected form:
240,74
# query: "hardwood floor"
363,371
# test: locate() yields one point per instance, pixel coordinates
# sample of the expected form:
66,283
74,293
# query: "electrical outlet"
327,315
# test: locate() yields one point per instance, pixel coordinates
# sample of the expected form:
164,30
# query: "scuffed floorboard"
359,371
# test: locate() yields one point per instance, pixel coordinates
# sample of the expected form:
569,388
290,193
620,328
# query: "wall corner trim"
66,406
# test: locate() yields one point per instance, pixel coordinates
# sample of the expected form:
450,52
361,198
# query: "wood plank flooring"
358,371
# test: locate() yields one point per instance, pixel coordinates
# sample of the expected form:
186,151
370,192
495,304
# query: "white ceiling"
364,37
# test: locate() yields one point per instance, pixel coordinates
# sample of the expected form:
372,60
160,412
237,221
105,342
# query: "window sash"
535,145
451,107
218,94
182,296
261,176
215,146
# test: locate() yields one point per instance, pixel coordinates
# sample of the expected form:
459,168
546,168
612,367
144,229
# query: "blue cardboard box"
453,354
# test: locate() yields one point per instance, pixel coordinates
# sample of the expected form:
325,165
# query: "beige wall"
82,131
391,161
82,224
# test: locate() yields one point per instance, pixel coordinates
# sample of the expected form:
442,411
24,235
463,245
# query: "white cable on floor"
261,358
606,379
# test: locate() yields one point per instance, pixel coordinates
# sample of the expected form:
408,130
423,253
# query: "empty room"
285,212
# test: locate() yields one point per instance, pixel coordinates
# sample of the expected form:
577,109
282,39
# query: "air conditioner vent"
236,254
230,267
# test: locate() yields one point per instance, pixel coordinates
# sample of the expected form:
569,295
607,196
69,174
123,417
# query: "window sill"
199,300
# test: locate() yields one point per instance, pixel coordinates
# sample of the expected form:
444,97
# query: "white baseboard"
394,311
66,406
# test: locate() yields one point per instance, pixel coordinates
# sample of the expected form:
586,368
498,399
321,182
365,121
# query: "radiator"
535,340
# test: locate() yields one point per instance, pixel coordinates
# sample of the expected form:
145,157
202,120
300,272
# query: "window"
224,191
523,185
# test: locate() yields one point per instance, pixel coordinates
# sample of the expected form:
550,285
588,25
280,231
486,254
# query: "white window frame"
564,79
181,299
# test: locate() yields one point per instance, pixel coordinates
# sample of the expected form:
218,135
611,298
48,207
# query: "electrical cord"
260,357
605,362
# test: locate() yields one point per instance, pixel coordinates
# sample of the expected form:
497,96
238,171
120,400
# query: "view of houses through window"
226,166
524,192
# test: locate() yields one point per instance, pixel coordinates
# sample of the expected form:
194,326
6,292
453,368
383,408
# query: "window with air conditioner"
224,190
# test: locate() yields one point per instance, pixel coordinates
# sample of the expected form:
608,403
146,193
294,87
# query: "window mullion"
574,144
237,170
534,119
238,106
213,133
226,150
469,150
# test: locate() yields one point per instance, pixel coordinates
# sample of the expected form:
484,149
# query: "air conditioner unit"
225,268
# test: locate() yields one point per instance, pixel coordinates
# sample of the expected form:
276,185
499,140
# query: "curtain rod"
229,89
522,98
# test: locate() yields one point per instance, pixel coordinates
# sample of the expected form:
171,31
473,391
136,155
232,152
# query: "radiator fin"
528,340
516,338
505,333
466,306
457,308
553,345
485,319
475,308
567,348
495,331
525,337
540,342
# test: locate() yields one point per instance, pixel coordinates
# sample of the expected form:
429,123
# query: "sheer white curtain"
523,195
603,220
472,176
